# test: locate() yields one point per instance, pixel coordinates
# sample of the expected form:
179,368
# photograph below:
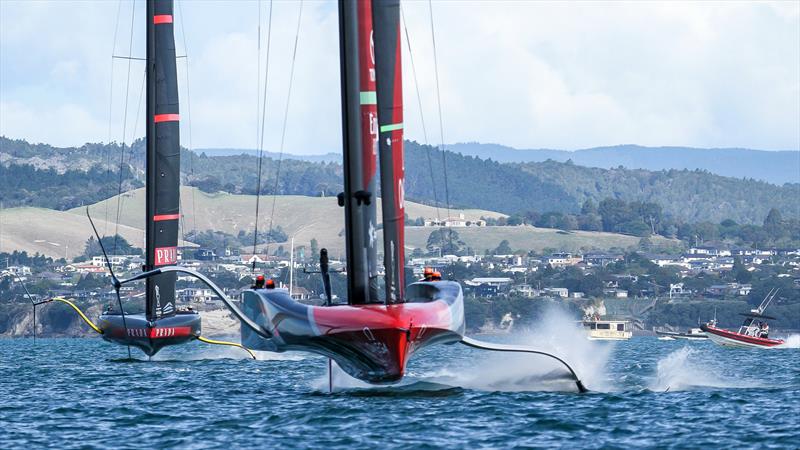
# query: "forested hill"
40,175
775,167
686,195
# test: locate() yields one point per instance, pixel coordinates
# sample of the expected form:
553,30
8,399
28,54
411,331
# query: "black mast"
357,198
386,20
163,159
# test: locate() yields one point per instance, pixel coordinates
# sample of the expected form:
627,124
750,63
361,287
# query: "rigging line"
261,139
258,77
111,107
114,278
285,120
121,200
124,126
441,124
188,120
421,116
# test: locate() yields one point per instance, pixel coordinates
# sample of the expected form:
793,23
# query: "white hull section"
726,342
624,336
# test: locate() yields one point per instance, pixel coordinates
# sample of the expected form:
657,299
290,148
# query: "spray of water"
685,369
559,334
793,341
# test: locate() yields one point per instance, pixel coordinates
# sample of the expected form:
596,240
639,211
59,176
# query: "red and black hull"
150,336
371,342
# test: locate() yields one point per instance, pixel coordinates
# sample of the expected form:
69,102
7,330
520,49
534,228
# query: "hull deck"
150,336
371,342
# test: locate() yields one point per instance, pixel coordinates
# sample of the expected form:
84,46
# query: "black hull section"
150,336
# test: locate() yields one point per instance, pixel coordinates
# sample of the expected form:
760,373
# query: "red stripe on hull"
741,337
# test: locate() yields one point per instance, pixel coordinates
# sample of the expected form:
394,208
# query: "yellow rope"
83,316
200,338
232,344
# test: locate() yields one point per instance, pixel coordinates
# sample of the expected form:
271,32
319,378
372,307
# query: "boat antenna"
767,300
114,279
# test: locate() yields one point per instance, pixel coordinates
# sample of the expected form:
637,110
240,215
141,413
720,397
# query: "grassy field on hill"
38,230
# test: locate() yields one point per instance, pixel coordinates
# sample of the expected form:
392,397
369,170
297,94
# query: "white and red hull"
729,338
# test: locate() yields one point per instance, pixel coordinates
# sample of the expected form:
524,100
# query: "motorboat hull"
683,336
371,342
729,338
150,336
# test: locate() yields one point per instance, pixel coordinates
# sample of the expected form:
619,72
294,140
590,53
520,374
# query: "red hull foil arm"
370,342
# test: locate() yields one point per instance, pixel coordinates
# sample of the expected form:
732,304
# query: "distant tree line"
25,185
219,240
646,219
114,245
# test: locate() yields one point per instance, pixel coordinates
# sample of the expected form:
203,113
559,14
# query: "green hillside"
40,175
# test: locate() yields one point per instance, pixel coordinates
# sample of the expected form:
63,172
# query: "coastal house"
562,259
455,222
615,293
600,259
196,295
557,292
525,290
728,289
489,286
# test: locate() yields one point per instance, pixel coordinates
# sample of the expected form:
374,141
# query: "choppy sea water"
84,393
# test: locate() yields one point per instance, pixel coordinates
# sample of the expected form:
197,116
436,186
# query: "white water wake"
509,372
793,341
684,370
559,335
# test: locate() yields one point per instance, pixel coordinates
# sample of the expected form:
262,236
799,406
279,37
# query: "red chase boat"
754,332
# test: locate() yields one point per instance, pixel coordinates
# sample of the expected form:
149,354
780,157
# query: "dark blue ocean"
84,393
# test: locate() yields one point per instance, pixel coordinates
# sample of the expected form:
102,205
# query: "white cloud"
527,74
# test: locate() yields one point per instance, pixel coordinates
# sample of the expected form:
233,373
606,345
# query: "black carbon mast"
360,135
386,20
163,159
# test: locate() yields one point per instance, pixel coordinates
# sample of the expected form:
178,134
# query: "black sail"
163,158
386,20
359,133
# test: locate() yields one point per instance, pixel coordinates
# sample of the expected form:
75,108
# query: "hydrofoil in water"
373,336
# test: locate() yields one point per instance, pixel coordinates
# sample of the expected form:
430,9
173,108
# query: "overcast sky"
563,75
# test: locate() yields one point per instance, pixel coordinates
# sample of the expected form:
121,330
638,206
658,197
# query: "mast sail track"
386,20
360,133
163,159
